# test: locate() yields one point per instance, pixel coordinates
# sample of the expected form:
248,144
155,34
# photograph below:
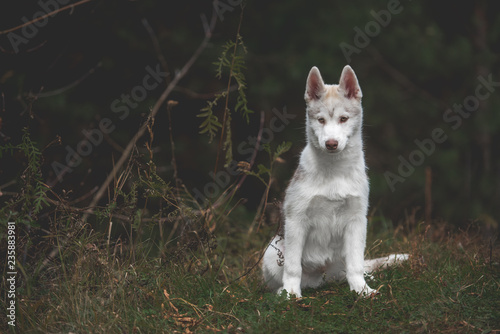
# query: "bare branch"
156,45
154,111
3,32
102,190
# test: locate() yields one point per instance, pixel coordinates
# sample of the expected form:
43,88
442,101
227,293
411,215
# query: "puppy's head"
333,111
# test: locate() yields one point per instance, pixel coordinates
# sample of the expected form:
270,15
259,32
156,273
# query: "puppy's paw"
368,276
362,288
290,295
368,292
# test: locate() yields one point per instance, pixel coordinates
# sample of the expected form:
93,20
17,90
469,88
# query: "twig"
11,182
225,199
203,96
44,16
227,95
265,203
170,105
61,174
156,45
71,85
84,196
254,154
112,143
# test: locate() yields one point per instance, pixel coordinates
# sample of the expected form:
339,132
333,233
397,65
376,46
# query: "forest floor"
451,284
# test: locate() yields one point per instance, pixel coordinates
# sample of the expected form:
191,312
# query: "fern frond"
282,148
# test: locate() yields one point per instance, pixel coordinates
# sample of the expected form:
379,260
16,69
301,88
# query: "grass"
449,285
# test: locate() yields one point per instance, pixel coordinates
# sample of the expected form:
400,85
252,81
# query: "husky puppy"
326,201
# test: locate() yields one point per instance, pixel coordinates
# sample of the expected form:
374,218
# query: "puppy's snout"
331,144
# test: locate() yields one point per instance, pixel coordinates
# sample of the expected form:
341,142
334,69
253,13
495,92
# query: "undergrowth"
447,286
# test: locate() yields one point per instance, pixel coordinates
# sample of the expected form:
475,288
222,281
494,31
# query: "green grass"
451,285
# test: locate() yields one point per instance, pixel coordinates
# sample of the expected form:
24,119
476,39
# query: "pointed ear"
315,86
348,84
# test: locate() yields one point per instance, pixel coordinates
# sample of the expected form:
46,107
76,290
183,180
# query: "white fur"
326,202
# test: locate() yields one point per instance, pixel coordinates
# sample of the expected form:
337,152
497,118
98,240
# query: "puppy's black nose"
331,145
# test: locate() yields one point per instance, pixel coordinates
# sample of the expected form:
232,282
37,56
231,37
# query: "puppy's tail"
383,262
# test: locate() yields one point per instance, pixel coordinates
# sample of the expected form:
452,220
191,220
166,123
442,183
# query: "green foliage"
211,123
230,62
32,198
155,185
273,157
235,65
280,150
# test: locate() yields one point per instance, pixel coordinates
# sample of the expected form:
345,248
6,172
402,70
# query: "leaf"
263,169
282,148
210,125
267,148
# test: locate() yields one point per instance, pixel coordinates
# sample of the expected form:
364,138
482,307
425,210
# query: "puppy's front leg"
294,244
354,248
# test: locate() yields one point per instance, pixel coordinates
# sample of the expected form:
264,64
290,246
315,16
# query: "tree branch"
3,32
102,190
154,111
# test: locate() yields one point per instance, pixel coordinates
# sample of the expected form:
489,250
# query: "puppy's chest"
328,215
326,220
336,185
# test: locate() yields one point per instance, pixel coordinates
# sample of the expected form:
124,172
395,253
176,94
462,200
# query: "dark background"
425,60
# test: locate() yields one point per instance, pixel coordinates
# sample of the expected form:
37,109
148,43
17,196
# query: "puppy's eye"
321,120
343,119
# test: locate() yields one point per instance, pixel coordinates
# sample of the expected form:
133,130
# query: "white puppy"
326,202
